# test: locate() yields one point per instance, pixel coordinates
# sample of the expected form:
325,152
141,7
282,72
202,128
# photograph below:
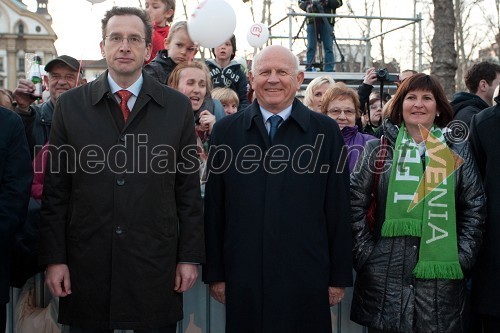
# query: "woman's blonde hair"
313,85
175,76
225,95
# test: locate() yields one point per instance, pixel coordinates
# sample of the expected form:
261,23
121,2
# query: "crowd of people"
166,166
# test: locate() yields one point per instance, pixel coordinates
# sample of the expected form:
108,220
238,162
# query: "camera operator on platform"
321,27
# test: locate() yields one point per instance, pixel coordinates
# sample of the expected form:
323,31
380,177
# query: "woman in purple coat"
342,104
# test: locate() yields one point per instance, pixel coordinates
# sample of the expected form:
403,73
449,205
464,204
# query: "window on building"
20,64
1,64
20,28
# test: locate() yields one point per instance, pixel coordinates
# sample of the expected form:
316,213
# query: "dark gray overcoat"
118,209
485,140
277,227
16,175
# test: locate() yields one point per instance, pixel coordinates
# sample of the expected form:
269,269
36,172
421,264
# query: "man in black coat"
482,80
277,219
122,222
15,183
64,73
485,139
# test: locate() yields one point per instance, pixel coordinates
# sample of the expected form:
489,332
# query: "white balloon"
212,23
258,34
95,1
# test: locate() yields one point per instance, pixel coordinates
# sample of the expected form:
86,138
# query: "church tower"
42,7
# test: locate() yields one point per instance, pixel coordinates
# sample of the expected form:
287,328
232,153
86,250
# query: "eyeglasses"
375,106
132,40
337,112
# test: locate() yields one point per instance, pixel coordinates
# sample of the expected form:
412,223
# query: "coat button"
414,247
120,182
411,286
118,230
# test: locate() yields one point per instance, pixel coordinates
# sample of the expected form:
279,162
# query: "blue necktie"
275,122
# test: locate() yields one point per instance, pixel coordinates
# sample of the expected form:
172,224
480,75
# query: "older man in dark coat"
277,208
485,139
15,182
122,223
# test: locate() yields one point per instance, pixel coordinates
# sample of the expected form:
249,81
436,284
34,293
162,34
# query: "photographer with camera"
320,28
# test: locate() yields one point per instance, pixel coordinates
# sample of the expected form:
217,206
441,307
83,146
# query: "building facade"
23,32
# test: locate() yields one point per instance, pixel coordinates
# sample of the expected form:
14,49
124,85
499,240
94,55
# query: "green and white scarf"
421,203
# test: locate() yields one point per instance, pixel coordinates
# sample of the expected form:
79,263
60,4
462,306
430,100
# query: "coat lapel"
254,118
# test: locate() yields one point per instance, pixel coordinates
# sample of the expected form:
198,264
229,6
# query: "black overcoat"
118,209
277,229
15,182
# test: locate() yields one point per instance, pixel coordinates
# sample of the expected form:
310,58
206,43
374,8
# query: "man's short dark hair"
121,11
482,71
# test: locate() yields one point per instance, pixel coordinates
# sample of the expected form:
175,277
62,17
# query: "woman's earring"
437,115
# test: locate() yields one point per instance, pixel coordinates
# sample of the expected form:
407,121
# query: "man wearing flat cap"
64,73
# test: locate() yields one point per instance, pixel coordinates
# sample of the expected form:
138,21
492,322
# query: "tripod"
320,30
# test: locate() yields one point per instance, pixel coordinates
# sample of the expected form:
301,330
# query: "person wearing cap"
64,73
227,72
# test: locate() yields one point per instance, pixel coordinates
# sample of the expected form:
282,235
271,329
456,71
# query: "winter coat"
326,6
277,239
465,105
485,139
355,142
15,181
386,294
37,125
161,67
122,227
231,76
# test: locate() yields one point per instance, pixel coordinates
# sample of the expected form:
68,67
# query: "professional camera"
315,6
384,76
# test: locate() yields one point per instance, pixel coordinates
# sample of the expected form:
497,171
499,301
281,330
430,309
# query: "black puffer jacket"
161,67
386,294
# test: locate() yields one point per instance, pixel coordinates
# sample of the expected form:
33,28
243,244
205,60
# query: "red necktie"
124,96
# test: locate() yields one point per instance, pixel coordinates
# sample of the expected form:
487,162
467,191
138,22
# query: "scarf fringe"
402,227
438,270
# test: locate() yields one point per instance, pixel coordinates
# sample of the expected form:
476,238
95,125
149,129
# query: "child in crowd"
161,13
228,98
179,48
226,72
373,116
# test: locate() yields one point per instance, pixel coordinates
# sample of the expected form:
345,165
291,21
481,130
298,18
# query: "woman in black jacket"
412,262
